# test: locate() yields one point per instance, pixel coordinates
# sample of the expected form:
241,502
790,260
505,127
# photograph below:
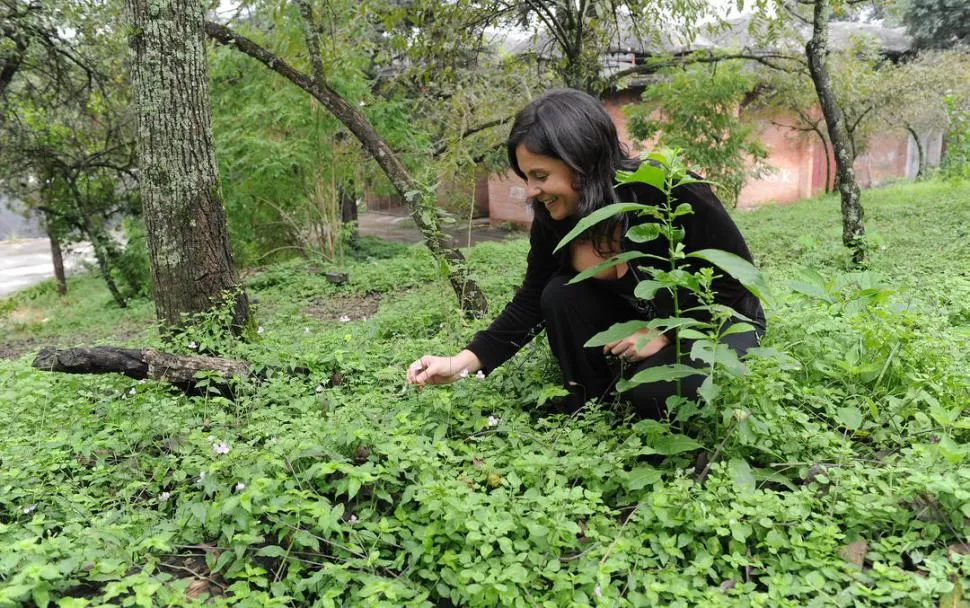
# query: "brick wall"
507,200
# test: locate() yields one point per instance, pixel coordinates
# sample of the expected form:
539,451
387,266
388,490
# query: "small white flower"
221,448
353,519
306,330
259,330
463,373
29,509
319,388
362,104
193,345
597,591
201,478
240,486
492,421
345,319
142,381
164,496
132,391
480,375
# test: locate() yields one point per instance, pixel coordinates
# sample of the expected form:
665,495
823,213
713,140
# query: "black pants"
574,313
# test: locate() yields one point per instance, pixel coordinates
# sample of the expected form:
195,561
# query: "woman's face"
549,181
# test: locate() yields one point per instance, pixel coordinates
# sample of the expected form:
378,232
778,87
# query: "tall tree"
67,151
191,261
817,53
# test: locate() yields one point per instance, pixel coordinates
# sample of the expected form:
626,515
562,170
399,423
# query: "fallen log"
140,364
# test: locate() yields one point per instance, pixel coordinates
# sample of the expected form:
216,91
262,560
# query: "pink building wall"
797,158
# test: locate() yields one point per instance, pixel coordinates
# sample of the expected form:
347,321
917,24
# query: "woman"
564,145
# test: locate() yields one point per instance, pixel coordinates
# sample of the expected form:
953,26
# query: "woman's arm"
518,323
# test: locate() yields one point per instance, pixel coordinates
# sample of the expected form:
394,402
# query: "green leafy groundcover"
842,475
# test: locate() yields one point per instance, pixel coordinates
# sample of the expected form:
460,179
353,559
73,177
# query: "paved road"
24,262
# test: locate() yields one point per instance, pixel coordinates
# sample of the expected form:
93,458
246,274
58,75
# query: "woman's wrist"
466,359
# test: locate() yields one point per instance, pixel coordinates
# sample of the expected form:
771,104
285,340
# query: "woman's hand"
627,348
430,369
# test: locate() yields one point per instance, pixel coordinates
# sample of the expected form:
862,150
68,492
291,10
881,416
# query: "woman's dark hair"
575,128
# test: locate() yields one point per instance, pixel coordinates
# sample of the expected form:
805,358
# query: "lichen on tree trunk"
816,51
191,260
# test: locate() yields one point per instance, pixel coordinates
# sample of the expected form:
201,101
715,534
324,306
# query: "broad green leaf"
774,477
272,551
738,267
717,353
644,233
626,256
683,209
949,449
741,475
642,476
647,173
691,334
596,217
811,290
617,331
41,595
709,390
737,328
688,179
661,373
645,290
668,445
667,323
850,417
663,156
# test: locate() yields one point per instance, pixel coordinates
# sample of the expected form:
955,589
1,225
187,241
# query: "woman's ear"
577,183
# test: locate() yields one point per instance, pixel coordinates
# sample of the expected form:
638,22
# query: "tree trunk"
816,51
102,254
348,216
470,297
920,167
828,159
137,363
143,363
58,258
188,242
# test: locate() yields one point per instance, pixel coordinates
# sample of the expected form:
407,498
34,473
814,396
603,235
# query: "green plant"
665,171
956,162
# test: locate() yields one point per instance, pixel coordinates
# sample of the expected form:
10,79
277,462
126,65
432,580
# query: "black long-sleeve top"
708,227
